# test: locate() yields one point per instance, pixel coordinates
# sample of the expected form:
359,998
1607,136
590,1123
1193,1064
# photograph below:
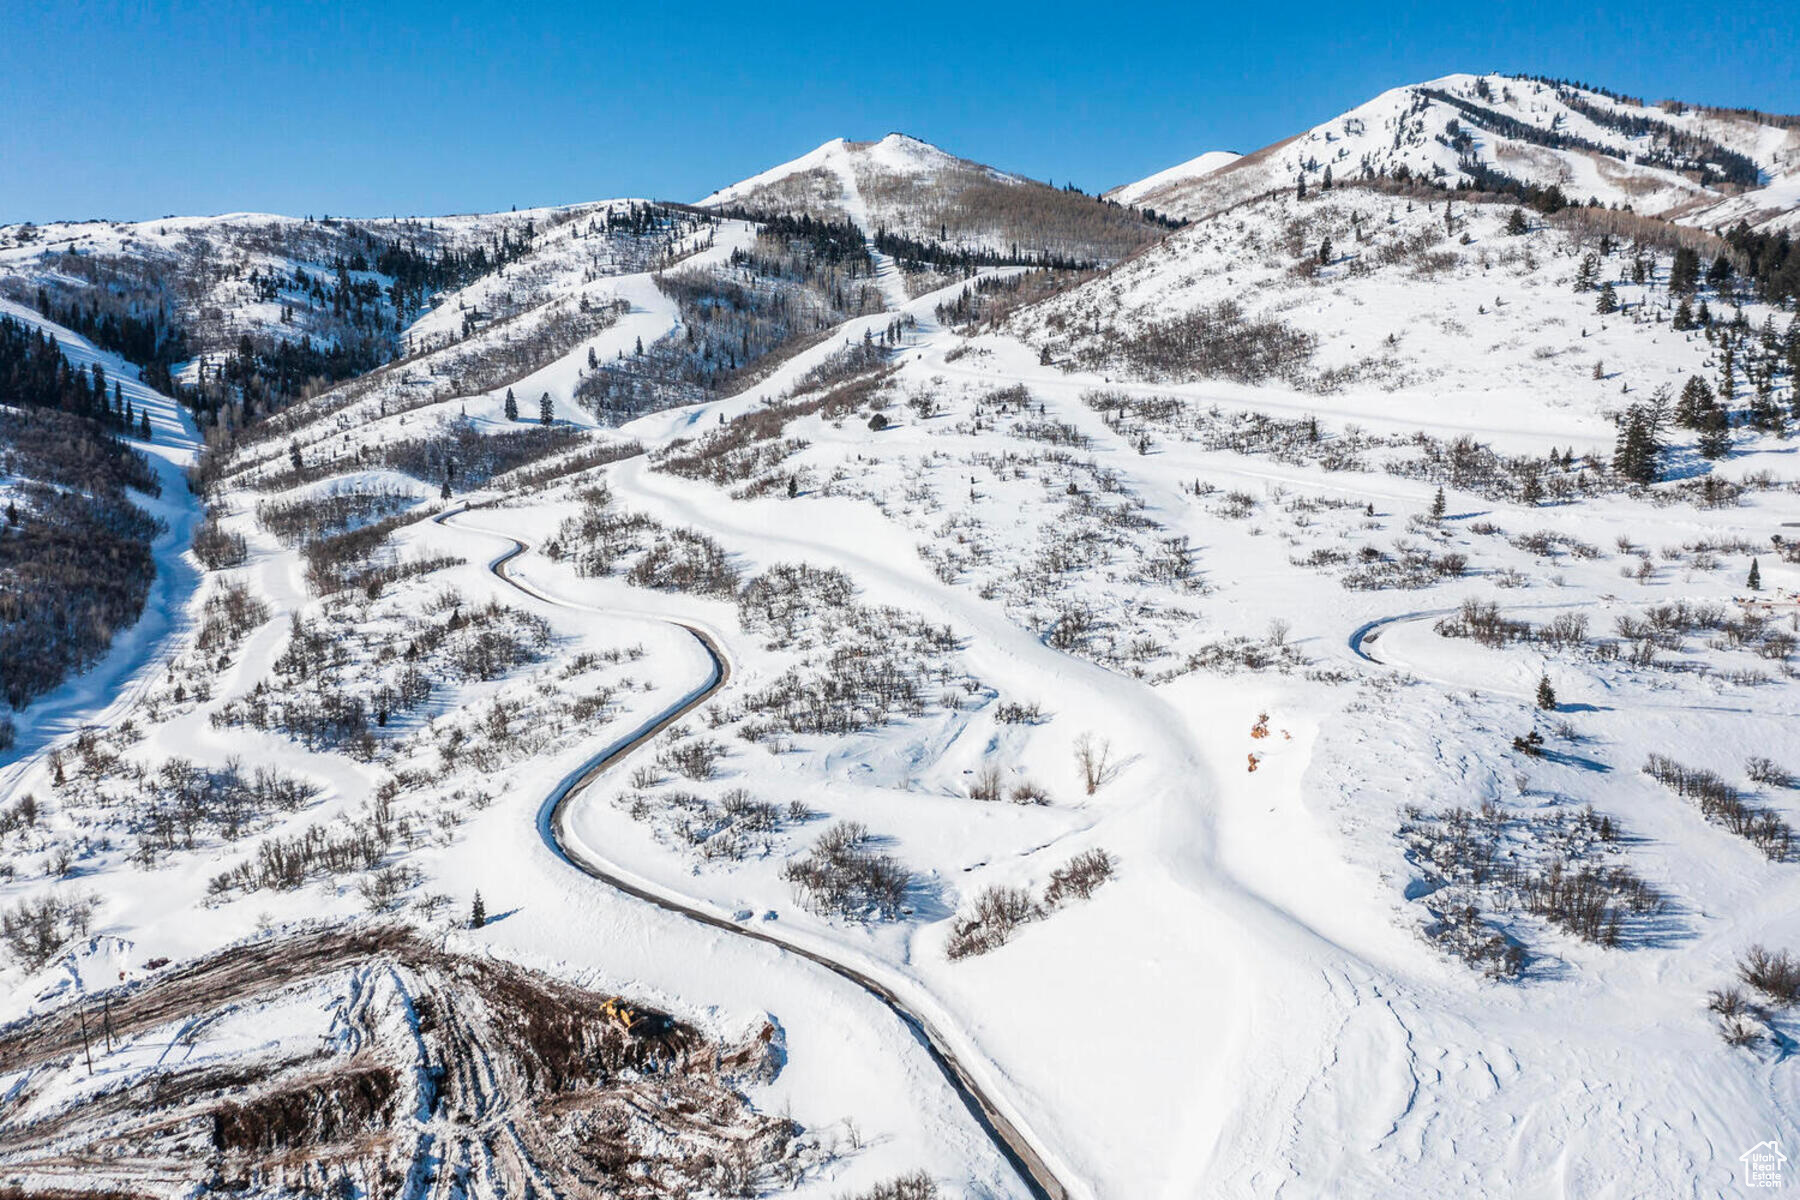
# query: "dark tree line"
916,255
839,243
34,374
151,340
1676,150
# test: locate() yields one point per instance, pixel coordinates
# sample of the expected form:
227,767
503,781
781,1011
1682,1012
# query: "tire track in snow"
1006,1136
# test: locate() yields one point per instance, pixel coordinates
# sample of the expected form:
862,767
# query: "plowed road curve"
553,825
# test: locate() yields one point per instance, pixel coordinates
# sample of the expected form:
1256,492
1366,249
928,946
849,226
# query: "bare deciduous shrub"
915,1186
1009,712
1079,877
1776,974
382,888
1027,792
1767,771
602,537
986,784
998,911
308,518
696,759
1588,901
842,875
285,863
1561,864
230,613
34,930
1212,342
1093,757
863,665
217,548
1723,805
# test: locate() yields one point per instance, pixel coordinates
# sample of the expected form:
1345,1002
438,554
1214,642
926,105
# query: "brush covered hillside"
307,299
1304,709
1701,166
933,211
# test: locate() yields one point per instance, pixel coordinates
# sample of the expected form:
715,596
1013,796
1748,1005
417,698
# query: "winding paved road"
553,824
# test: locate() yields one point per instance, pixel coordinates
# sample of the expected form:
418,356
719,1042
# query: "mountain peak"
1499,132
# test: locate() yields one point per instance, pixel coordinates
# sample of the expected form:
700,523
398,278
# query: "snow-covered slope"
198,286
912,189
1427,311
1705,166
1167,179
1223,704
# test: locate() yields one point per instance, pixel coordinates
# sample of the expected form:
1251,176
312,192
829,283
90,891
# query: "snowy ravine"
108,689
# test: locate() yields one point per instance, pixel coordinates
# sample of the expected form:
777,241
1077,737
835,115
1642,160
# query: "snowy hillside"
1704,167
916,193
1180,173
744,701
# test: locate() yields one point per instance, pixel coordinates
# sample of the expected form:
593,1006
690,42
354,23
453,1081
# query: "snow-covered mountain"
1698,165
781,697
912,190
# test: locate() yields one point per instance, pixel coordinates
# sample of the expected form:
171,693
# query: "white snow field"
1194,168
1128,746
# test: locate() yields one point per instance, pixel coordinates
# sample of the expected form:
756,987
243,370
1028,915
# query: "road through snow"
553,826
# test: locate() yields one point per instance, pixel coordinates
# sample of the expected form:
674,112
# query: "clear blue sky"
140,110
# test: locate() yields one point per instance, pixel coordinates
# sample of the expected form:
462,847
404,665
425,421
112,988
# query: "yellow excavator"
619,1014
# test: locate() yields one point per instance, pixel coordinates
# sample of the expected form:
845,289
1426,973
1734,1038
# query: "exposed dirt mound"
370,1062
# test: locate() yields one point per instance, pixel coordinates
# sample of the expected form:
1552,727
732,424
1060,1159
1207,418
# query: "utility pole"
81,1011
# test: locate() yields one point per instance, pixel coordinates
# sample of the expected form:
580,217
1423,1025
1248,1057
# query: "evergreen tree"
144,424
1696,401
1516,224
1325,252
546,411
477,913
1755,580
1300,192
1609,300
1684,315
444,492
1438,505
512,406
1715,433
1587,273
1546,695
1684,274
1325,183
1634,456
1719,275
